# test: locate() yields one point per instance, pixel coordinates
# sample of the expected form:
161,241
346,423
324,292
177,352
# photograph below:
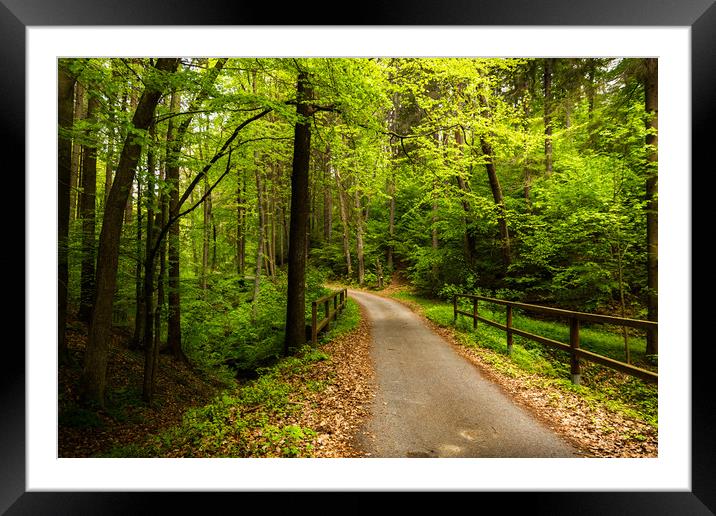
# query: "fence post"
327,309
474,313
574,344
314,323
509,329
454,308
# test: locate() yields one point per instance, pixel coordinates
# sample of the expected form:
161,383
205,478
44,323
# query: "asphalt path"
431,402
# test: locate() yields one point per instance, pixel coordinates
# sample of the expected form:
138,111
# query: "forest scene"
246,244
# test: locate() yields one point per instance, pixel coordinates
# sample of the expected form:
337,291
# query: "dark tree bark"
260,244
174,295
87,209
343,206
359,238
496,191
499,202
548,71
78,114
651,89
241,223
65,86
139,314
93,380
391,220
327,204
295,303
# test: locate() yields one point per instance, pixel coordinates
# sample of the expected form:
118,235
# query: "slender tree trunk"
87,207
94,374
205,236
272,241
342,204
327,205
66,81
128,212
194,252
259,246
296,299
173,253
139,314
548,71
78,114
651,88
499,202
213,236
240,226
359,238
391,221
161,281
496,192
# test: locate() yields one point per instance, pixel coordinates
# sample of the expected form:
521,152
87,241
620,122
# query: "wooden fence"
338,298
573,347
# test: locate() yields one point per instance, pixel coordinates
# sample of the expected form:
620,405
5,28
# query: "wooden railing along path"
339,298
573,347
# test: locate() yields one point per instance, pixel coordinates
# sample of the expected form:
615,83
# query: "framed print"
35,32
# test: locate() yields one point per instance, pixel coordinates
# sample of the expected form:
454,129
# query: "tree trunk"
327,205
651,89
260,244
342,204
78,114
139,314
295,303
87,208
65,83
548,71
241,223
499,202
94,373
359,238
391,221
174,295
205,236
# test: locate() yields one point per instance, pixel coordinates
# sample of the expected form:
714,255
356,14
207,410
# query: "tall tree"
651,106
78,115
94,373
296,296
65,82
87,210
548,103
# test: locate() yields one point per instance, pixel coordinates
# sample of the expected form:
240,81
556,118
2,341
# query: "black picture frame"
16,15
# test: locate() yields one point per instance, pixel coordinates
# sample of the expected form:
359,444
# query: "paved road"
431,402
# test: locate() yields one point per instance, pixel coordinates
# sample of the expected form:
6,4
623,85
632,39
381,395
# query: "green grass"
627,395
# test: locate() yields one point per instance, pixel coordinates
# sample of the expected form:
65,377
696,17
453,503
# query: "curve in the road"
431,402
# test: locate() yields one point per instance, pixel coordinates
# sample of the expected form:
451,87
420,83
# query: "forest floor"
127,426
593,426
126,418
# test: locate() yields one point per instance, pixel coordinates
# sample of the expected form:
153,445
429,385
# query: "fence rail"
339,298
576,354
